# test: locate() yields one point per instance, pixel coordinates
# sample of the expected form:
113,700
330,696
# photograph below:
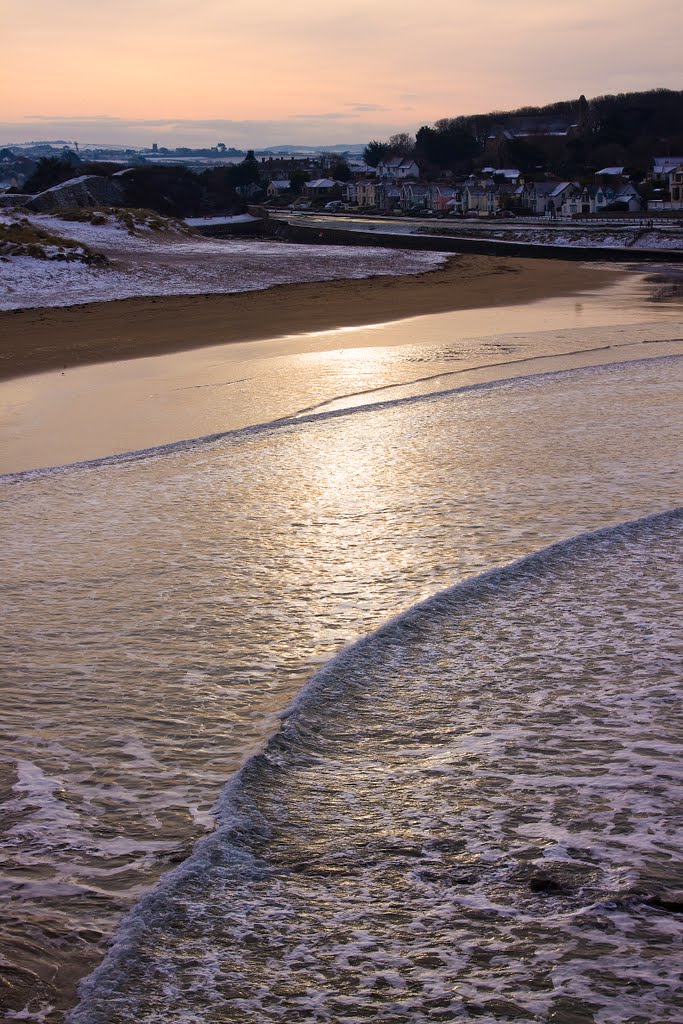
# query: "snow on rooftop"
663,164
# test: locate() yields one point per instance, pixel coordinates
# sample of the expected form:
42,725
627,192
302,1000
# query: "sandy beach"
36,340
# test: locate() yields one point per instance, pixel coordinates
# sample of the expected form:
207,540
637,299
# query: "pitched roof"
505,172
545,188
664,164
561,187
397,161
400,160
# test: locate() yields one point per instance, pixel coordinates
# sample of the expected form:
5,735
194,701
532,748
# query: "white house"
398,168
546,197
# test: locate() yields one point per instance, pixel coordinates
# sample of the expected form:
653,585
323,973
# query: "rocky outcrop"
86,191
11,200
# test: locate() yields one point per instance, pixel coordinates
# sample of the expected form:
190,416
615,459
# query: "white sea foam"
353,876
185,599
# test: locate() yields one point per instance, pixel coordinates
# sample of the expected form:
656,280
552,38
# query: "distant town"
610,156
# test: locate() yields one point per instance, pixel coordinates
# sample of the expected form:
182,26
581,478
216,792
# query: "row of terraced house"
487,197
396,185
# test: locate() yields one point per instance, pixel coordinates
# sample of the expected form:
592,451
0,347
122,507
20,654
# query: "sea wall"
311,234
249,227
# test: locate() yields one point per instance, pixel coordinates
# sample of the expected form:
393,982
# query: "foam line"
226,844
297,420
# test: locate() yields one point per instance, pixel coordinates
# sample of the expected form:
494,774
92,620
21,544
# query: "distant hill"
623,118
341,147
571,136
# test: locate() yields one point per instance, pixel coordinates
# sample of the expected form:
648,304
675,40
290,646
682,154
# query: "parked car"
335,204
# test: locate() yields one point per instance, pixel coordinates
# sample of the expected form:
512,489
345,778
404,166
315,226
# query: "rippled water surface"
159,614
93,411
471,815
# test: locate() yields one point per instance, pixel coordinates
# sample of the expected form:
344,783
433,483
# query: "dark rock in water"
445,877
545,886
567,1010
432,961
447,845
499,1009
672,904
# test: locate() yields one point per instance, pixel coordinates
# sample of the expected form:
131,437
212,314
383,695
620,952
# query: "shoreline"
41,339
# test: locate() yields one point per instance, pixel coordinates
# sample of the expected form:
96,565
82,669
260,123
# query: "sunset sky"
269,73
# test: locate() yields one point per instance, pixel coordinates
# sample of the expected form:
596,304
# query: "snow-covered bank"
147,262
633,238
614,235
204,222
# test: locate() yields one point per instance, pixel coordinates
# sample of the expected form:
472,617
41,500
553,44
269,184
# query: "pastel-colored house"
366,192
676,187
662,166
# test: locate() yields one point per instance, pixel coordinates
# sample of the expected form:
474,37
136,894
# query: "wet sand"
94,411
39,339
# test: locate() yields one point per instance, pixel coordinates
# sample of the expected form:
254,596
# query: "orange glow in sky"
274,72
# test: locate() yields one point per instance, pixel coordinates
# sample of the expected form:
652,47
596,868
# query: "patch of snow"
654,240
173,264
240,218
574,236
67,184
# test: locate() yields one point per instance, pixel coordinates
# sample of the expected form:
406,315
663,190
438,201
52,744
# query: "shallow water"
159,614
94,411
472,814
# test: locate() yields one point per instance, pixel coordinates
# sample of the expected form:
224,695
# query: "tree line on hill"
624,130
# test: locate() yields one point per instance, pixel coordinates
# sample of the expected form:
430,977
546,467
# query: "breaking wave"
469,814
